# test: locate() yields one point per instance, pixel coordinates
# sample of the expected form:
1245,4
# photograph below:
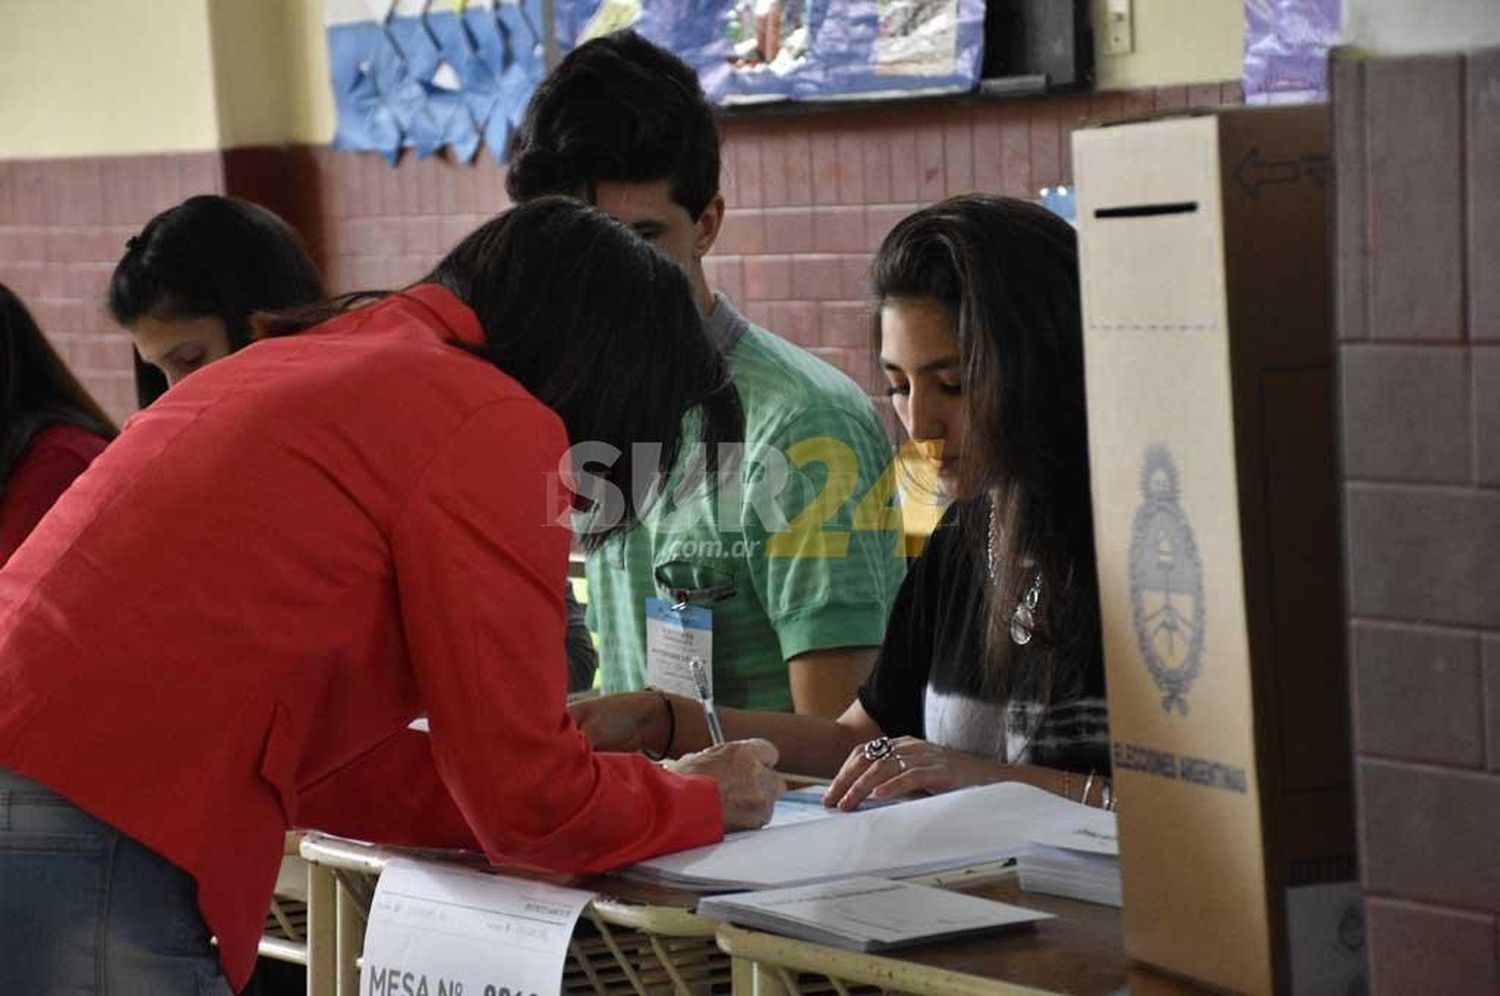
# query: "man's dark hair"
622,109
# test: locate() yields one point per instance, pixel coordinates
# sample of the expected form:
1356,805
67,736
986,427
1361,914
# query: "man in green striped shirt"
794,555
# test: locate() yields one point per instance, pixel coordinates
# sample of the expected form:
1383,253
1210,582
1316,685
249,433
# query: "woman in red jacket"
226,628
50,429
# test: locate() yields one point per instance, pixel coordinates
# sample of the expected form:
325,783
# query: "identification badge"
674,636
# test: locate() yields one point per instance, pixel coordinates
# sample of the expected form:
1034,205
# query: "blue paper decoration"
439,79
462,79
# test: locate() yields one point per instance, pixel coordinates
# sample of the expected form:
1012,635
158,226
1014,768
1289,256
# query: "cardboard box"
1209,360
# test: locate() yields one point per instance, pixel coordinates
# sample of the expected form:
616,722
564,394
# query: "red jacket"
223,629
57,454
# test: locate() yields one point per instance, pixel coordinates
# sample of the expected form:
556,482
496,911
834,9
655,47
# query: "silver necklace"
1023,619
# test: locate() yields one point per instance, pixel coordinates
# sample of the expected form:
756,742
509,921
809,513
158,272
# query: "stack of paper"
953,830
1078,858
866,914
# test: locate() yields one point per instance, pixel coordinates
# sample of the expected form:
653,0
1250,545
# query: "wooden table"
644,939
1081,951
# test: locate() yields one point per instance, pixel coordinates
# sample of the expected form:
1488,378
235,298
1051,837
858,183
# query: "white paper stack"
867,914
1077,858
953,830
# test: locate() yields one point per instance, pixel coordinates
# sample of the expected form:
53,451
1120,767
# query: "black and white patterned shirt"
928,680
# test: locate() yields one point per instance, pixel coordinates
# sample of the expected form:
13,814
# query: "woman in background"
992,666
50,428
189,283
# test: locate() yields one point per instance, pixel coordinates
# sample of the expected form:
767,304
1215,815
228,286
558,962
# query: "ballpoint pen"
700,679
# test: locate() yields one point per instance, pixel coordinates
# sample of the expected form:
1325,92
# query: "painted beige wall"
1176,41
105,77
271,67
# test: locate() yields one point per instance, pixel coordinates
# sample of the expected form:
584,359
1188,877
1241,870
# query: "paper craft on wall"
457,74
424,76
749,51
1286,49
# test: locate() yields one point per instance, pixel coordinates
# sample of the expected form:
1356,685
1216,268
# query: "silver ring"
878,749
900,762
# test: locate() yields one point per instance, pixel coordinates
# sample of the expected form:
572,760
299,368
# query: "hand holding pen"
706,697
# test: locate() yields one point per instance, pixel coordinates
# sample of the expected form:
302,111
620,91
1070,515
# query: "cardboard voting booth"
1209,361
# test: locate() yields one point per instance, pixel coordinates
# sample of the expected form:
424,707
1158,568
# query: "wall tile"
1139,103
768,278
1424,555
932,167
1483,144
1428,834
788,230
849,150
989,170
1424,949
1406,414
902,146
1046,147
1486,365
796,321
727,275
1205,95
1491,657
797,164
1417,695
743,233
1351,215
845,324
880,219
1170,98
815,277
825,167
958,153
839,229
1015,151
876,154
1414,121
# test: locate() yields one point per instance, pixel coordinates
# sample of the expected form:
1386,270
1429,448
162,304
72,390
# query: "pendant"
1023,620
1021,623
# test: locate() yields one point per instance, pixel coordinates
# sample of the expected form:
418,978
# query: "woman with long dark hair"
50,428
192,280
304,547
992,667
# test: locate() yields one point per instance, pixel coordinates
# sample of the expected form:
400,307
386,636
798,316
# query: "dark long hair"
596,323
1008,270
210,256
36,388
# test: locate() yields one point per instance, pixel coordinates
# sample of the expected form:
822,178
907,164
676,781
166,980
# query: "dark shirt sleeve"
895,693
583,660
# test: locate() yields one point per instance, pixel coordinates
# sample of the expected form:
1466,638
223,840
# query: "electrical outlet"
1119,28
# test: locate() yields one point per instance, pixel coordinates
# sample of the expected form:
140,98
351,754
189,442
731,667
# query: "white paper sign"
444,931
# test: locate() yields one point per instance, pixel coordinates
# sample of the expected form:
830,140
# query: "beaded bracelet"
671,727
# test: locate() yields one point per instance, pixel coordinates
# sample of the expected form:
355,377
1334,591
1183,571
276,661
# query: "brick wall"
1418,302
810,195
63,226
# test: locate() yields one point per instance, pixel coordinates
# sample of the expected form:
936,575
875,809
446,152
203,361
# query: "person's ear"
706,229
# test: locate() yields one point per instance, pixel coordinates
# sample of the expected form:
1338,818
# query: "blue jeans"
86,909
